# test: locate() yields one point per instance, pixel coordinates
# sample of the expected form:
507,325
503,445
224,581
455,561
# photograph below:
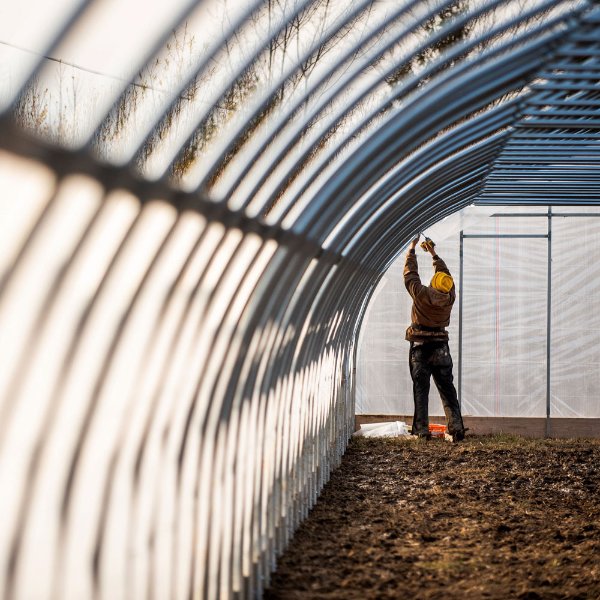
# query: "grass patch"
441,566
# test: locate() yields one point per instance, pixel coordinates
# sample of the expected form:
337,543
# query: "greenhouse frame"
188,258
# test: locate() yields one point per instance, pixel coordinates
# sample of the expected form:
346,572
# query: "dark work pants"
426,360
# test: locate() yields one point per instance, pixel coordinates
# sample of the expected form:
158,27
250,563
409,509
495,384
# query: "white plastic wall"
504,317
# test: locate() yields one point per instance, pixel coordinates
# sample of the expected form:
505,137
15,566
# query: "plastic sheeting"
385,429
501,366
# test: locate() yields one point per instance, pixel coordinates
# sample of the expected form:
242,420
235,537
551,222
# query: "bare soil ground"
493,517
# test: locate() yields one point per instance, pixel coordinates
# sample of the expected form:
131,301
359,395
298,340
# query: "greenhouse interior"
524,335
205,208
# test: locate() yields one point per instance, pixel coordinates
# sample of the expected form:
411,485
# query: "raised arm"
412,281
438,263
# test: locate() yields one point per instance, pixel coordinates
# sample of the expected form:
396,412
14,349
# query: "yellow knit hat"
442,282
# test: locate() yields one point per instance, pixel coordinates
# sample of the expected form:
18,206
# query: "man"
429,351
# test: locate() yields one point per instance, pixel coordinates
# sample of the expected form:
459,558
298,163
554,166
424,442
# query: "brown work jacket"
431,308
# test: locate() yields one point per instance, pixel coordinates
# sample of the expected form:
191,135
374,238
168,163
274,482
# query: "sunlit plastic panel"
30,30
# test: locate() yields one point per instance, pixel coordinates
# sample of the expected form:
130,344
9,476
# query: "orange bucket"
437,430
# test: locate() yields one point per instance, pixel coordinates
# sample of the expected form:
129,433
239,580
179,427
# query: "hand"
414,243
429,246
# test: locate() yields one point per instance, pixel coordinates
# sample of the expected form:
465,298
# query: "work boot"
458,436
422,434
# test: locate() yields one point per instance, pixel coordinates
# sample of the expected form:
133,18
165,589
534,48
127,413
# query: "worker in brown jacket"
429,351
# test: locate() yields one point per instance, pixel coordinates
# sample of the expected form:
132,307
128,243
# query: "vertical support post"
549,324
460,319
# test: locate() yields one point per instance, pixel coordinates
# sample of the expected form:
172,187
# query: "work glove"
428,245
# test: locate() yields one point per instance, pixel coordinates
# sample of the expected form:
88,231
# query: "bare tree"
31,109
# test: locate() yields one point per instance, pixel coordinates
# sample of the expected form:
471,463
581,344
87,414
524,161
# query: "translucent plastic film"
514,302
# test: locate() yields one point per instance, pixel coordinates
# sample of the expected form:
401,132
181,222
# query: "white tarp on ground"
385,429
504,317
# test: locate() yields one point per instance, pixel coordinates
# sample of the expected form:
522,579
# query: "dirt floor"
492,517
